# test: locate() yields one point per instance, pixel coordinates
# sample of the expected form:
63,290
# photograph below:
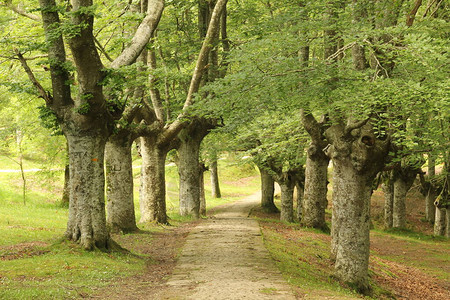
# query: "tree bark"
315,199
215,187
66,189
202,191
316,172
388,190
447,222
287,200
189,165
87,222
351,224
430,197
300,195
402,184
189,173
357,157
119,183
152,196
267,191
440,221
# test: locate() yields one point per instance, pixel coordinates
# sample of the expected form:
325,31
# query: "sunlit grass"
38,264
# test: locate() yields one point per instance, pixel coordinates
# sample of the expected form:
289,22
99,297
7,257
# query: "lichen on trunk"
189,173
315,196
357,157
119,183
267,191
152,196
87,222
287,185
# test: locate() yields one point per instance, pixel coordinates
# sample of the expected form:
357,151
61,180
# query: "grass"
37,264
303,257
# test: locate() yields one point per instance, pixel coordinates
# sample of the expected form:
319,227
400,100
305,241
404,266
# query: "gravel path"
224,258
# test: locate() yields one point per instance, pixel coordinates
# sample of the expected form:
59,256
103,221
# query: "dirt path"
224,258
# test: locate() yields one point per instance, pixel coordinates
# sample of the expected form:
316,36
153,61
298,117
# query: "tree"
86,120
154,147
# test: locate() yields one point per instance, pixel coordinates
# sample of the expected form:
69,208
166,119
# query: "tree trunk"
430,209
189,165
402,184
430,197
267,191
119,183
152,196
388,190
87,222
447,222
66,189
315,198
351,224
287,200
300,194
440,220
215,188
357,157
202,193
189,171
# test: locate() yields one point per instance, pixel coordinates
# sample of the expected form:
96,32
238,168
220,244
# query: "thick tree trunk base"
152,196
351,226
267,192
287,202
315,195
119,180
87,219
440,221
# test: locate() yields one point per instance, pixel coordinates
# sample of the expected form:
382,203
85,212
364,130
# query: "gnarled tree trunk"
287,185
119,183
388,191
440,221
189,173
299,187
152,196
402,184
430,196
215,186
357,157
87,221
267,191
189,165
315,198
66,189
316,172
202,190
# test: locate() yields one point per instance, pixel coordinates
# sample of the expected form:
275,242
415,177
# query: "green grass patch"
64,271
37,264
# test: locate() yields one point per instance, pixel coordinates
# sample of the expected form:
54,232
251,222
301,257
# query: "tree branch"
20,11
173,129
56,54
310,124
350,126
44,94
142,35
412,15
155,95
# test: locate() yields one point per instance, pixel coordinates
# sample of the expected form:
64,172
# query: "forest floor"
223,257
